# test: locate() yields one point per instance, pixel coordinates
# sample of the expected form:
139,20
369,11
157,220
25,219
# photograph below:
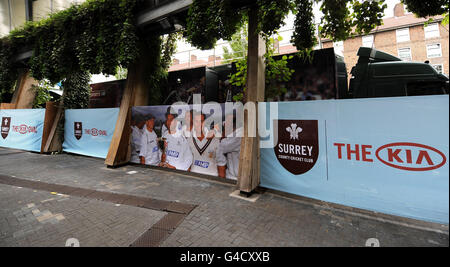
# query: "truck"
379,74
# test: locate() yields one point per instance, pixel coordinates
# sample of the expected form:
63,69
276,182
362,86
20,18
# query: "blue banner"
387,155
22,128
89,131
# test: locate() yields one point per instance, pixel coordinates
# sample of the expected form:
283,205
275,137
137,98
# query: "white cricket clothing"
205,154
164,130
178,152
150,149
136,136
230,150
186,132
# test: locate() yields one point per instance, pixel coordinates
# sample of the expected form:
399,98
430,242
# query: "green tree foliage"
367,15
429,8
164,47
94,37
277,70
208,21
76,90
272,14
8,74
121,73
238,45
338,22
304,28
98,36
42,90
211,20
426,8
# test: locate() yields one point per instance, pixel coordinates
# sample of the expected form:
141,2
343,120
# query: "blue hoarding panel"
89,131
22,128
386,154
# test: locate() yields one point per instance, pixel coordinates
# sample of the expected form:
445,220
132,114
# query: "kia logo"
411,156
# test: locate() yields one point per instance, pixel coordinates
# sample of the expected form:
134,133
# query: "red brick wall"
387,42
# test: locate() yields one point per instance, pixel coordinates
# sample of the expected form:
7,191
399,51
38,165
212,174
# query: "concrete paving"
39,218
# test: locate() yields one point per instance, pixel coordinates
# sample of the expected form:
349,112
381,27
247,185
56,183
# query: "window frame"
372,40
440,50
410,53
436,24
401,30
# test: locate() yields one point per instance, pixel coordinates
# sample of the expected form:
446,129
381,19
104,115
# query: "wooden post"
51,110
135,93
7,106
23,97
250,156
53,143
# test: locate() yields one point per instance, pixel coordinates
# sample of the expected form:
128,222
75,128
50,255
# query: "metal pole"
29,10
189,55
10,15
320,39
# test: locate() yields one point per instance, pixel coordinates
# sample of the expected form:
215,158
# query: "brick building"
406,37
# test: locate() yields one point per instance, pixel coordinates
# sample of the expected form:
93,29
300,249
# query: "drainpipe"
320,39
29,10
10,15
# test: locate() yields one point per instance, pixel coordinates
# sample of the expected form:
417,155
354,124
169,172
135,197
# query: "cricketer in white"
177,154
150,153
205,150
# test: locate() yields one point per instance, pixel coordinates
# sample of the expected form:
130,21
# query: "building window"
339,48
405,54
439,68
434,50
367,41
403,35
431,30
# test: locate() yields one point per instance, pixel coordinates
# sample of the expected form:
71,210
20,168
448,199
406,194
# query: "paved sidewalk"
218,219
36,218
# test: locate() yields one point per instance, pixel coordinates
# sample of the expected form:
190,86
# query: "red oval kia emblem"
23,129
94,132
397,155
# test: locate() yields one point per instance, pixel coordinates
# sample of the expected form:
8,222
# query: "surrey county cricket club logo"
297,149
6,122
78,130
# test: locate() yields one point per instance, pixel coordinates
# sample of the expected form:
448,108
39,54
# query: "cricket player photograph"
205,150
150,153
137,131
230,147
177,154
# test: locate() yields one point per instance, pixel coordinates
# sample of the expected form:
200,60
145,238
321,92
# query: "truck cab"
378,74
